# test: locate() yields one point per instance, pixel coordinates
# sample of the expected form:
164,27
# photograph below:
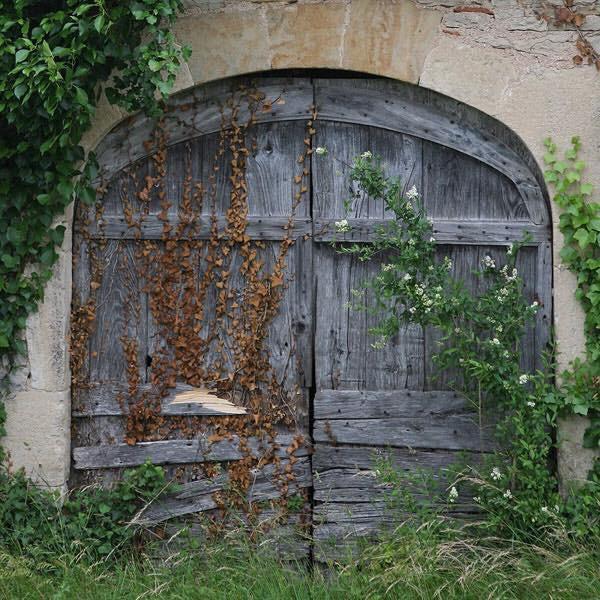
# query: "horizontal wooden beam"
445,232
447,432
375,404
199,496
102,400
152,228
179,452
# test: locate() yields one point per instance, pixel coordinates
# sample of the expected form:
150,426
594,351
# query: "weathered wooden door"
207,265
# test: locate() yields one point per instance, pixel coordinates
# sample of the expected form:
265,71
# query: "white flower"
510,249
418,290
508,494
476,499
545,509
342,226
387,267
453,494
447,263
523,379
496,474
379,344
321,151
367,154
457,330
412,310
506,354
412,194
411,242
407,277
347,304
535,305
499,329
495,341
432,239
489,262
530,403
431,267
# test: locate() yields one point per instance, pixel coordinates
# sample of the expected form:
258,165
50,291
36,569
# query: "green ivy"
580,225
93,522
57,58
479,349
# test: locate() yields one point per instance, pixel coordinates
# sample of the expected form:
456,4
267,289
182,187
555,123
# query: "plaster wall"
496,55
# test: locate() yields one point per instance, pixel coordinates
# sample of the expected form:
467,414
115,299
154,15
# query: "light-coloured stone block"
399,37
48,329
38,435
574,461
225,44
306,35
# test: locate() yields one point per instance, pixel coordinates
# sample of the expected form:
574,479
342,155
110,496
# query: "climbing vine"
56,61
212,291
580,225
479,349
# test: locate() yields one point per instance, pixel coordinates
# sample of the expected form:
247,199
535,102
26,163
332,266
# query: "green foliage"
580,225
480,342
410,565
93,522
55,58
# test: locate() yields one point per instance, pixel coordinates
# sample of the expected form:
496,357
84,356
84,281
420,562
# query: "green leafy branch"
56,60
580,225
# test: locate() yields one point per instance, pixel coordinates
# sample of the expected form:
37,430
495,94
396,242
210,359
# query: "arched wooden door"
206,269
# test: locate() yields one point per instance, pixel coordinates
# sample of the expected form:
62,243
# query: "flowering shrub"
480,343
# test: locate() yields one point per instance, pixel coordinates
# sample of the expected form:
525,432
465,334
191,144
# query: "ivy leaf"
20,90
21,55
4,343
99,23
154,65
586,189
581,235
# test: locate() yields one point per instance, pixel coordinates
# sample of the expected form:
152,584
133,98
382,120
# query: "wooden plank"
543,293
450,183
400,155
102,400
199,496
328,456
259,228
499,198
360,485
177,452
197,112
379,404
455,232
398,108
449,432
121,313
272,167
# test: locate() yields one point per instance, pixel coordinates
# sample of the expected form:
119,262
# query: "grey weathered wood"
384,105
379,404
177,452
449,432
197,112
451,183
121,312
543,293
259,228
454,232
328,456
102,400
198,496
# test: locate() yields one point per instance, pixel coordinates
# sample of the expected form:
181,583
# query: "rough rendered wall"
496,55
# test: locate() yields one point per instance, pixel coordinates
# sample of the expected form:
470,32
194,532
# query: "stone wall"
505,57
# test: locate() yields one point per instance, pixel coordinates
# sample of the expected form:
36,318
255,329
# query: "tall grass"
410,564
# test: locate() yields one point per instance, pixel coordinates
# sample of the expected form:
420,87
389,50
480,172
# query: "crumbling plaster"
500,58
